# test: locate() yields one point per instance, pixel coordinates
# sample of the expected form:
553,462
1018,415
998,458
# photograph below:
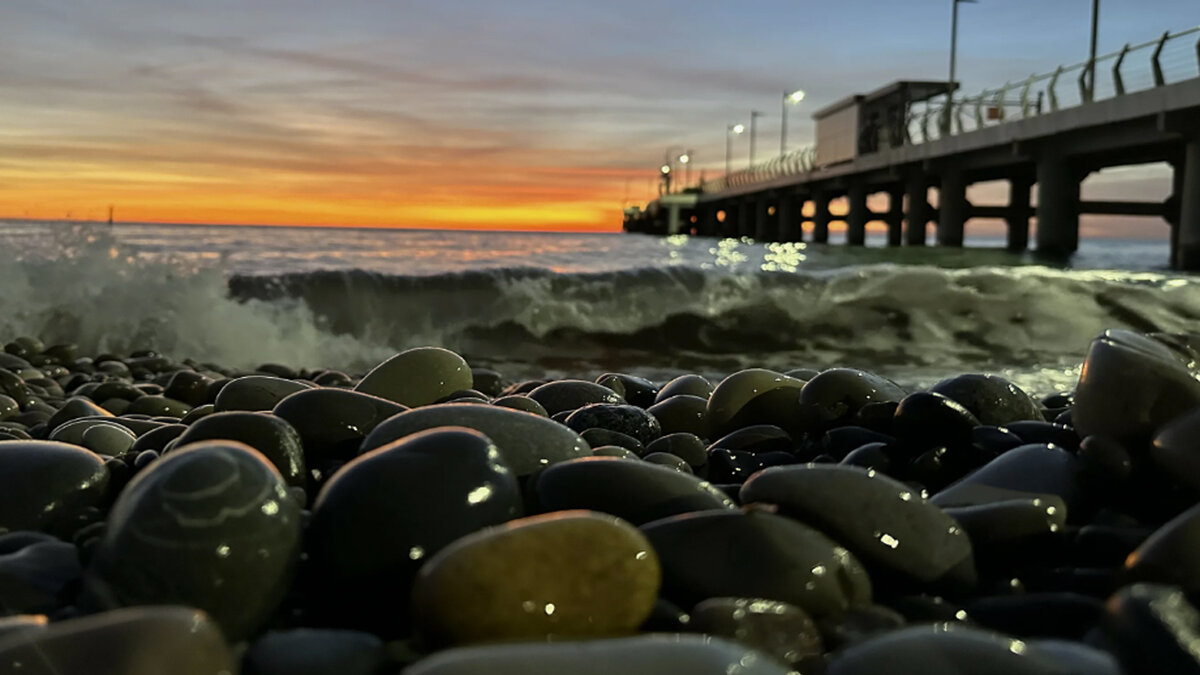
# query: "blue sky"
366,102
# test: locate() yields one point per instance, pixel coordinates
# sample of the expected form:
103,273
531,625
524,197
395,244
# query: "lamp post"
754,115
788,97
953,57
665,170
686,160
1091,77
731,131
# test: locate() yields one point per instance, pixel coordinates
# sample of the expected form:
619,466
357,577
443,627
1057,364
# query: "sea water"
566,304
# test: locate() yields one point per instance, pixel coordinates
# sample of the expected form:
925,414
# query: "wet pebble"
418,376
626,419
47,485
269,434
565,395
255,392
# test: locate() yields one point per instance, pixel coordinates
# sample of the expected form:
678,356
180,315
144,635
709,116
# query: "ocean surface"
552,304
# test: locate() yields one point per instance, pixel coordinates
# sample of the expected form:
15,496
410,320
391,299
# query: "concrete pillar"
745,218
1018,212
673,223
1188,250
916,217
856,219
821,217
787,215
762,220
952,209
706,220
1058,207
895,215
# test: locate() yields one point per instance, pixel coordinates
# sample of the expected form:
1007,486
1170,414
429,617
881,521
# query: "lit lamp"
730,132
789,98
666,176
686,159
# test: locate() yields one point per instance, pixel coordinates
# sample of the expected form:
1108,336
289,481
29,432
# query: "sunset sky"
476,113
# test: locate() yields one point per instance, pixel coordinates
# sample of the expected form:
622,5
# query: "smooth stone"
683,445
597,437
1171,555
13,362
488,381
777,628
991,399
157,406
210,525
735,466
841,441
188,387
132,641
563,395
859,624
380,517
1176,449
561,575
332,423
269,434
1077,658
1045,432
1002,526
656,654
871,456
943,649
1036,469
753,396
418,376
159,438
47,485
521,402
682,414
14,387
637,492
884,522
8,407
927,419
635,390
75,408
39,577
108,439
997,440
626,419
72,431
309,651
714,554
686,385
198,412
1153,629
1033,615
333,378
255,393
666,459
612,451
526,441
835,396
1108,462
755,439
115,389
1131,385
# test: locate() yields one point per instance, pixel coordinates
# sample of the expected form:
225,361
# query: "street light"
665,169
686,159
754,115
731,131
953,56
791,97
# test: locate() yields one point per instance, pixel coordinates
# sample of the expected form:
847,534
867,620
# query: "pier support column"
1058,207
1018,212
916,217
952,209
729,225
1188,249
895,215
787,215
821,217
762,220
745,218
673,222
706,220
856,219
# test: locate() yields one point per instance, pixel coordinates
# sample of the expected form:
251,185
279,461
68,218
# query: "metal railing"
1167,60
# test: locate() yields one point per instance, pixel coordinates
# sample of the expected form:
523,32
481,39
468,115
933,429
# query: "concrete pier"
1017,218
856,219
787,214
916,218
1187,253
895,215
1057,207
952,209
762,220
821,217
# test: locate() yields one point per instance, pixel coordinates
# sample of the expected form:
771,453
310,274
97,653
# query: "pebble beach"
429,517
